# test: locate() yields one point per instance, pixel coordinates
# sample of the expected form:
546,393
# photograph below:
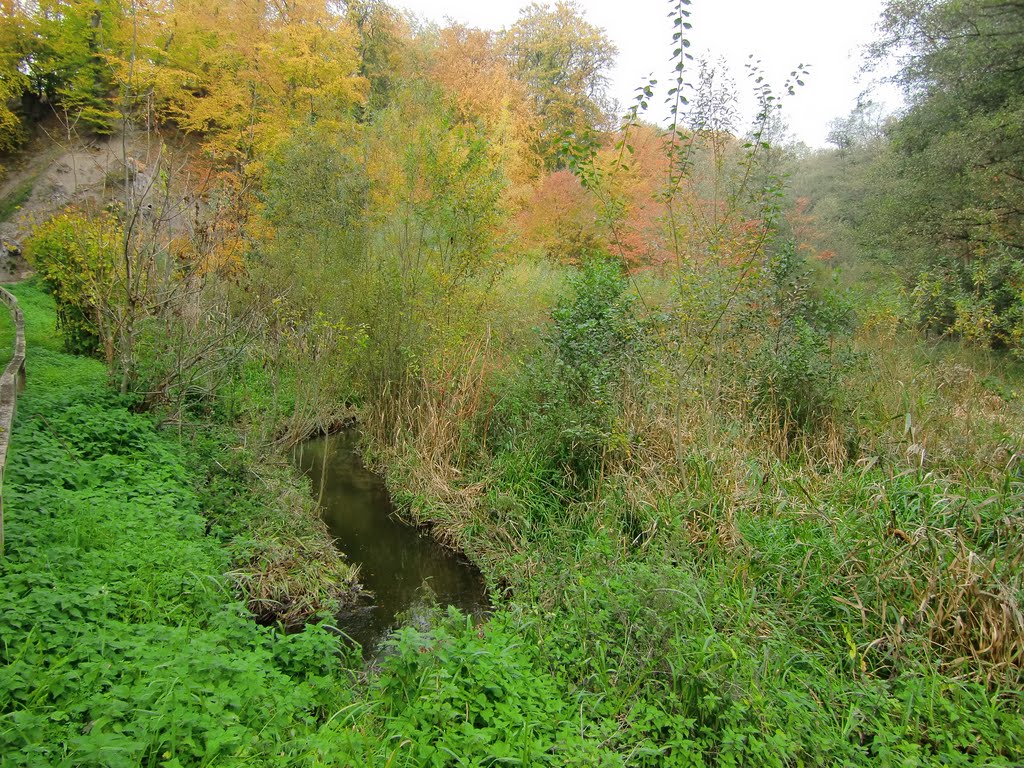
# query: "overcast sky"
826,34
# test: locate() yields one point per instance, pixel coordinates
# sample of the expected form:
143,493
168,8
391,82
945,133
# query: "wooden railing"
11,383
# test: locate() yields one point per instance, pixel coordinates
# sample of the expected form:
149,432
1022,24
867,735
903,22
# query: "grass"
703,598
724,595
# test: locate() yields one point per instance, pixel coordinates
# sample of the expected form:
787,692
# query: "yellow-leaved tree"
469,67
242,74
563,61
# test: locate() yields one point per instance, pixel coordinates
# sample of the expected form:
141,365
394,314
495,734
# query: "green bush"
75,255
563,405
981,301
795,376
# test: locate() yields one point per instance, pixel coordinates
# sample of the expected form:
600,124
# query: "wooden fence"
11,383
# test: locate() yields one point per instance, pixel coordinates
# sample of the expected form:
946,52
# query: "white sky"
823,33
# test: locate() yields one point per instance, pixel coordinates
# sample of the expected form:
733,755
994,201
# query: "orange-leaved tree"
470,69
561,220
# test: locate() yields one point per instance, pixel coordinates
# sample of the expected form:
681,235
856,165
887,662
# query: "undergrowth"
715,590
674,589
123,642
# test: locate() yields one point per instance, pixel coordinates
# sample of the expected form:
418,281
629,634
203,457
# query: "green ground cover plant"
123,641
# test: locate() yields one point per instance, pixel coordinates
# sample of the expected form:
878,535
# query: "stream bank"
408,573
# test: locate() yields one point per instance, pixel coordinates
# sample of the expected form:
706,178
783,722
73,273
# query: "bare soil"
58,173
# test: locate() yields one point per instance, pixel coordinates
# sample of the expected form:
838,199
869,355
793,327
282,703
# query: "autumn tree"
242,74
13,81
634,167
615,207
61,50
560,220
469,68
563,62
382,37
438,216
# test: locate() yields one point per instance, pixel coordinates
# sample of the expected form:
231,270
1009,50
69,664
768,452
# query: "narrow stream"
404,569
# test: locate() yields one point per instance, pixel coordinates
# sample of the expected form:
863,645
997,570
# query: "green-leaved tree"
563,60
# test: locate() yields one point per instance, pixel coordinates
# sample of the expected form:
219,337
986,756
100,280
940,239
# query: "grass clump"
284,561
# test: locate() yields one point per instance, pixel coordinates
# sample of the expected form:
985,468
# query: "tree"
956,163
437,193
563,61
12,80
76,257
469,68
561,220
863,126
381,32
244,74
64,51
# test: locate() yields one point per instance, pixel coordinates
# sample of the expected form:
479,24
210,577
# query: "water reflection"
402,567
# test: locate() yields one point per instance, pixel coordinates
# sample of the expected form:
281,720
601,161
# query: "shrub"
795,375
981,301
565,401
75,254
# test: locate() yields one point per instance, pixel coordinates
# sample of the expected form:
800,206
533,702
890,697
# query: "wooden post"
11,383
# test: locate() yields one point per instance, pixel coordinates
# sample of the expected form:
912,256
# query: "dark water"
404,569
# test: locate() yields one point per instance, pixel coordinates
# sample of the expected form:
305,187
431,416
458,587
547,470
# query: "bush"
564,403
981,301
75,254
795,375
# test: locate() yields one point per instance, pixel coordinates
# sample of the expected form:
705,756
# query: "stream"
404,569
